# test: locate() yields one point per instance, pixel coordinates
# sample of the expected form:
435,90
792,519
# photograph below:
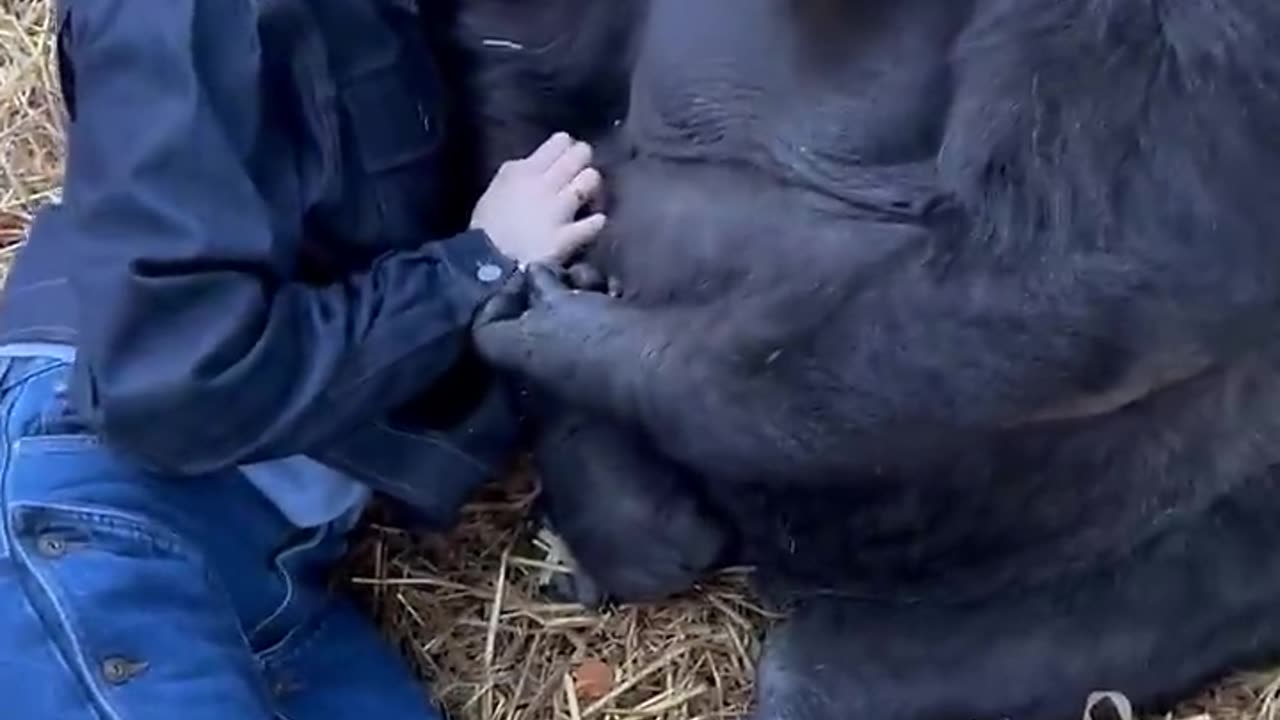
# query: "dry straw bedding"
465,608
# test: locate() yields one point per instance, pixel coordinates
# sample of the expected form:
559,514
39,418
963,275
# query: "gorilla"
953,318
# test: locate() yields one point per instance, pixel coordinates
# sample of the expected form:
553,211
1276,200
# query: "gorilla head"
952,317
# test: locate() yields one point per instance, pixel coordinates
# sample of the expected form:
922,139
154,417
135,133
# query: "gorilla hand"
585,276
567,342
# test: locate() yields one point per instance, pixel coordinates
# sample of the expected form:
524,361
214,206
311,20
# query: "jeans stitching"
286,650
72,629
19,555
68,628
18,385
62,628
149,530
64,625
290,586
6,407
280,608
12,391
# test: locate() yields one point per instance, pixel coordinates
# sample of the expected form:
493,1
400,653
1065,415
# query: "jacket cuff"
479,269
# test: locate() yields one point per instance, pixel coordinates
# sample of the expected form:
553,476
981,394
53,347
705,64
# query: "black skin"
614,481
955,318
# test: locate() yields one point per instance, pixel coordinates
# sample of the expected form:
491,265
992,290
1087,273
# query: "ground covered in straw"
465,609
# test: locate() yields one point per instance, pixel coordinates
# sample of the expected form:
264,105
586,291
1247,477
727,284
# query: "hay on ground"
465,608
468,610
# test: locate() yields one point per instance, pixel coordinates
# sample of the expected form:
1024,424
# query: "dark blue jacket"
252,255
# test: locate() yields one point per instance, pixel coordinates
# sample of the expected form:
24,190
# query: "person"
249,312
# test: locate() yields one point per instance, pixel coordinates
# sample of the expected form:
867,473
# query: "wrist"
482,269
494,254
510,258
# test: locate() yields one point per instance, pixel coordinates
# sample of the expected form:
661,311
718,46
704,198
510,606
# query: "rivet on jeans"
118,670
51,546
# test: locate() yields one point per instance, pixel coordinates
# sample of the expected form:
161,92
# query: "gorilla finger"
575,588
504,344
614,287
585,276
545,283
539,346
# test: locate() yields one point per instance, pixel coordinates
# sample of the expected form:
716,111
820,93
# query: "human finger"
551,150
575,236
569,164
581,190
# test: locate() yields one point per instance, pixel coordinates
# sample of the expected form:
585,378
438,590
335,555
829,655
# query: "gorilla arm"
915,365
1115,161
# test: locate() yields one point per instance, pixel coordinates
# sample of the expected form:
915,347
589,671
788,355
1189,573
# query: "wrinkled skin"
953,317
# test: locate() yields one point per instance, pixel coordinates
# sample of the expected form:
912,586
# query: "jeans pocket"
136,612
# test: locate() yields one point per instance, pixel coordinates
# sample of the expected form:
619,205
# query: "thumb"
545,284
504,344
509,302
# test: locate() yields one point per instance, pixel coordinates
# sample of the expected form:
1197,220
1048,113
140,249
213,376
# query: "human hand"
529,208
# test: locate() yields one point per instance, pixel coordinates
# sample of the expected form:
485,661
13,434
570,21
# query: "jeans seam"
290,586
19,556
11,393
68,628
282,652
11,390
25,396
149,530
65,625
6,408
14,384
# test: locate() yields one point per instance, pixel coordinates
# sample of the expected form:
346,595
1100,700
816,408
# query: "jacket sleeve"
197,351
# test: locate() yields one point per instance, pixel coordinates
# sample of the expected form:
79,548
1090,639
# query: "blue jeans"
130,596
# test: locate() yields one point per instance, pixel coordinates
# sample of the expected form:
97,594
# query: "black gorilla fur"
953,317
